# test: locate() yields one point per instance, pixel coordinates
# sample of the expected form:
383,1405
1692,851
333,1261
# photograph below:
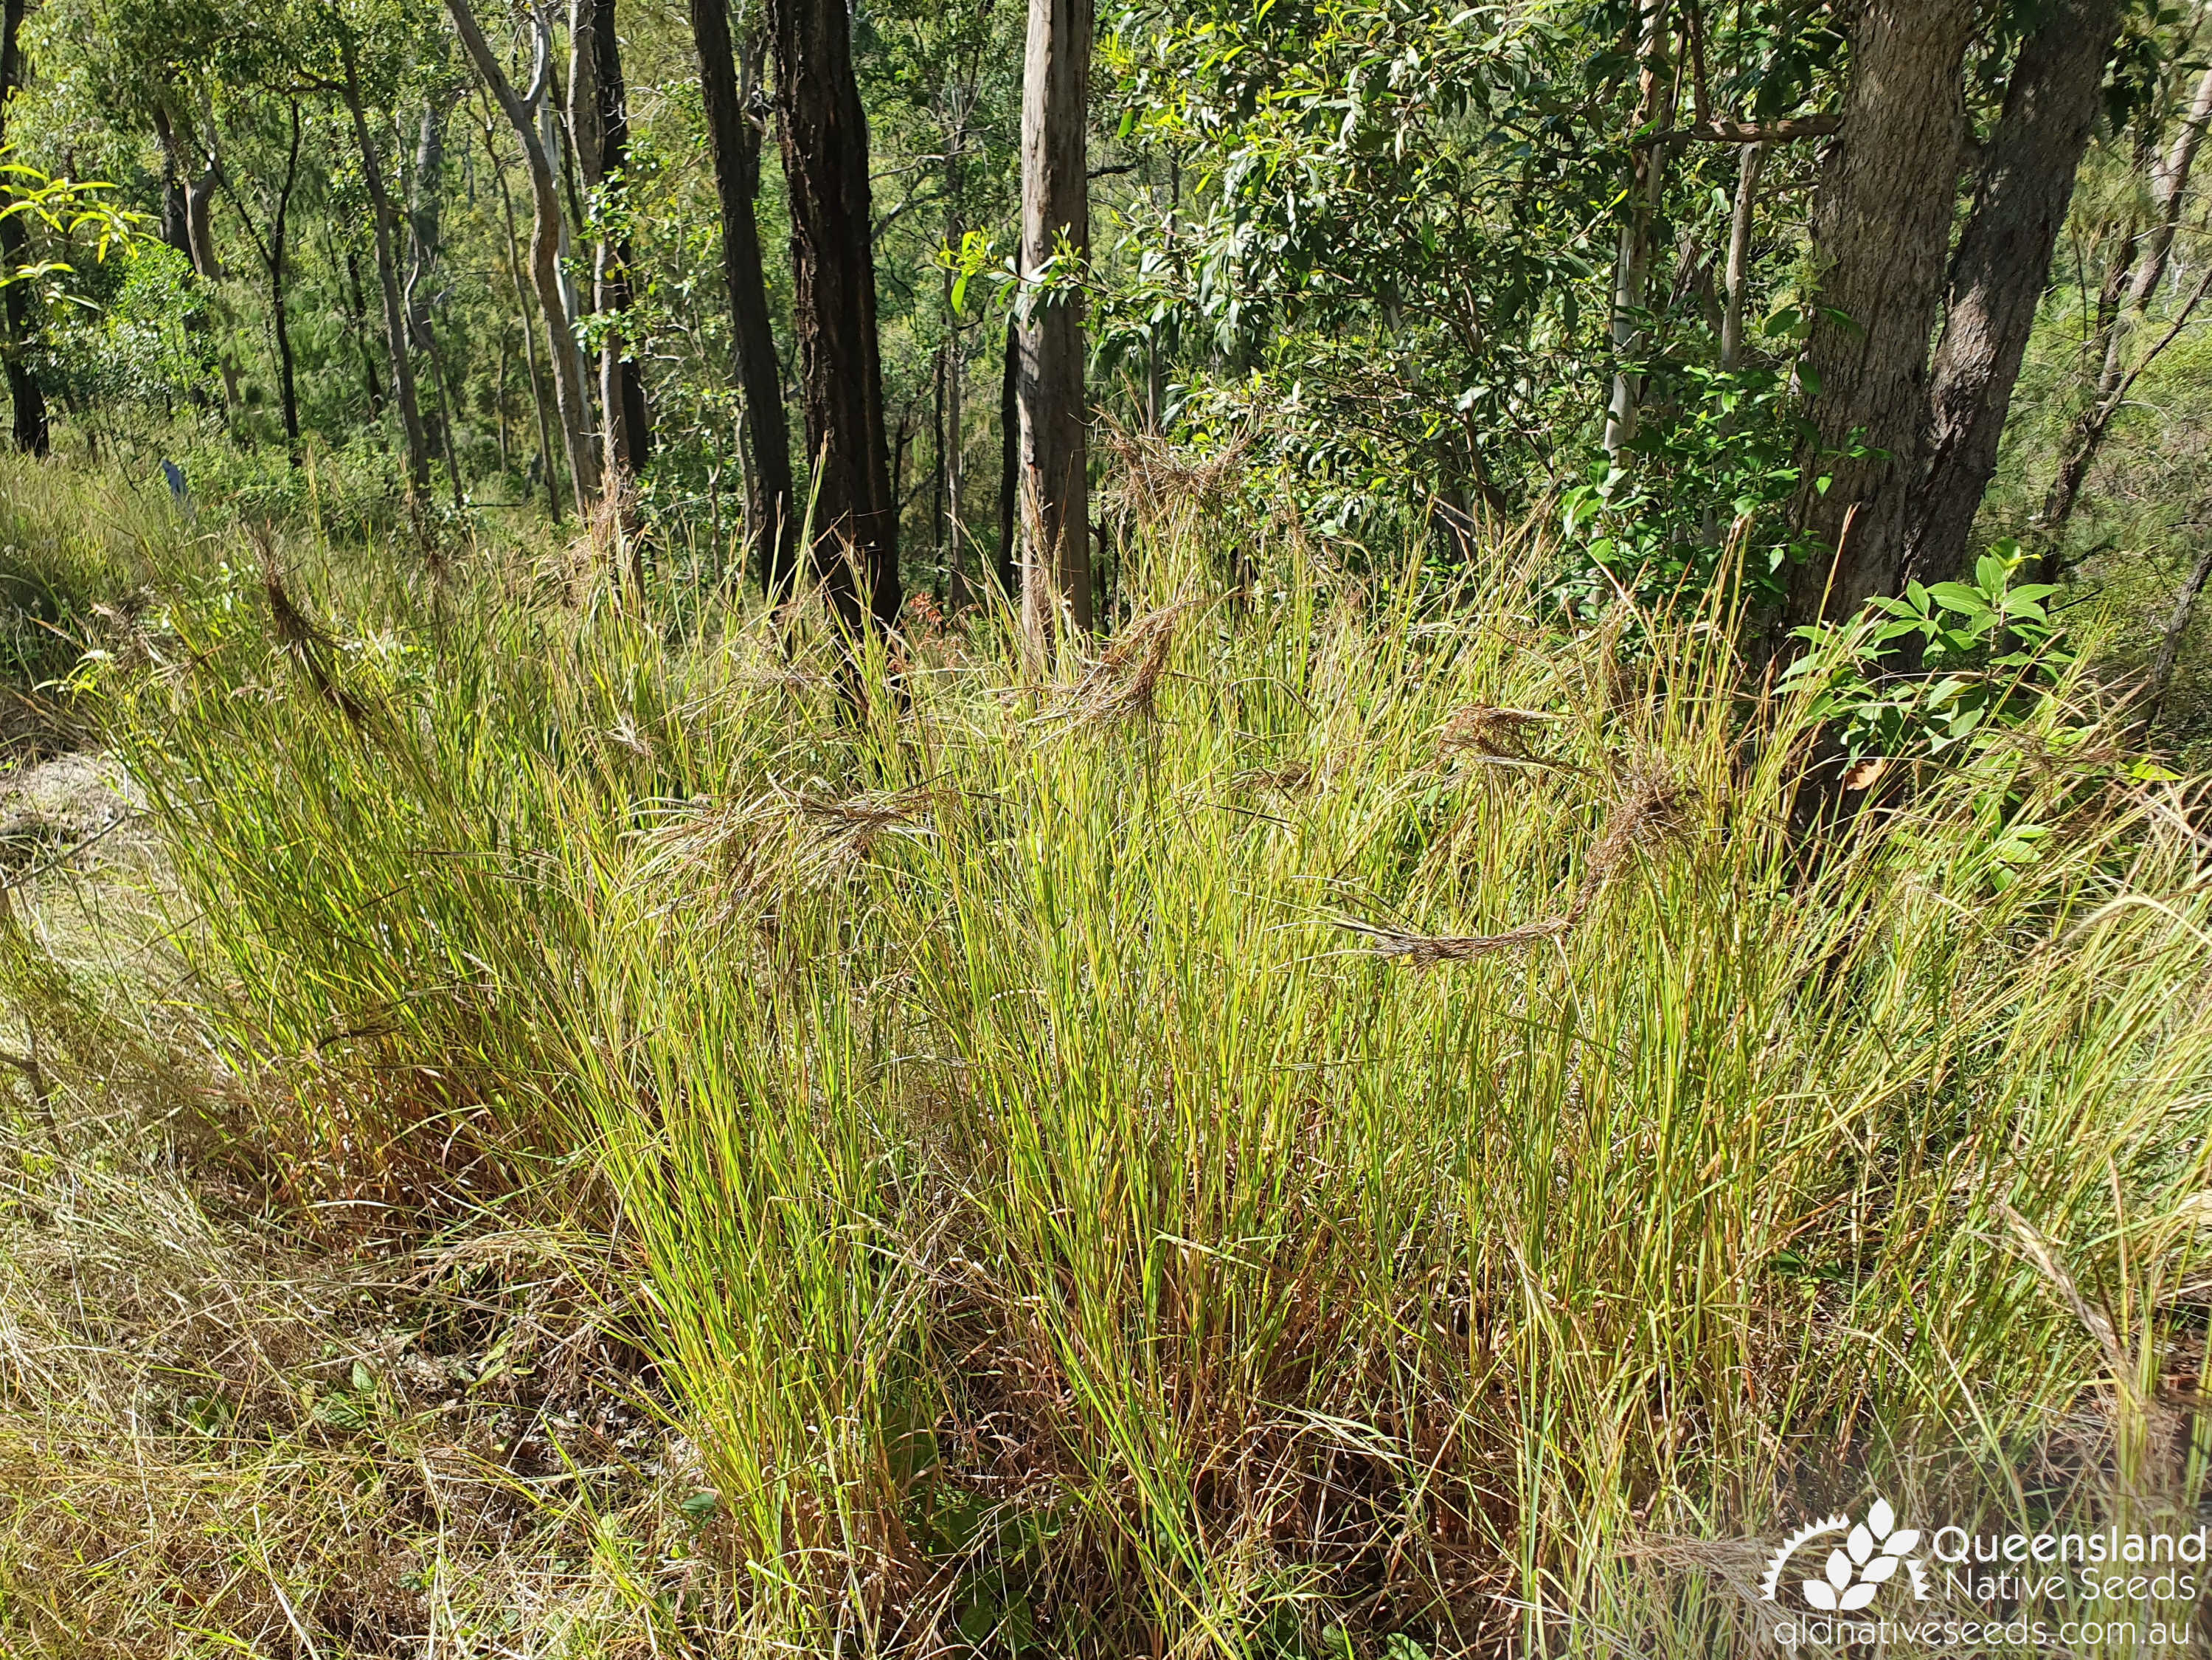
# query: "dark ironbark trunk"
357,316
600,121
273,250
1055,483
1998,274
825,163
733,138
32,432
1881,220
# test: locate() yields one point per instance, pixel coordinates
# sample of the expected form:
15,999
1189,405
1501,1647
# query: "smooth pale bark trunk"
188,225
1631,268
1999,272
2141,268
387,271
1751,161
1881,220
32,430
824,132
733,139
1055,499
544,256
2169,187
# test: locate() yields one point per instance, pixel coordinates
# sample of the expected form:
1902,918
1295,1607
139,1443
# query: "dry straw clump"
1124,683
1650,809
753,851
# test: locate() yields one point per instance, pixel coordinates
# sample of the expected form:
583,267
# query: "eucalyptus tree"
1055,479
599,124
735,112
356,52
853,517
522,111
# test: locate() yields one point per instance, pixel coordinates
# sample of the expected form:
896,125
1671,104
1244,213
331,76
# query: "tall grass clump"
1361,1116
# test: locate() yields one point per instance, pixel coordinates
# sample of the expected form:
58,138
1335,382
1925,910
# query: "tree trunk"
280,319
2170,637
1882,221
273,250
733,139
425,235
1010,469
387,272
544,253
32,431
1054,482
1750,163
1998,274
598,121
1631,268
2169,186
529,346
825,164
2142,267
357,317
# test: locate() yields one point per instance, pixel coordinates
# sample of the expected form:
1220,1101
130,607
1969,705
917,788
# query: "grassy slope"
976,1126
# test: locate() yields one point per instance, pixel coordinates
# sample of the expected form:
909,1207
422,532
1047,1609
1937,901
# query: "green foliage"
1941,666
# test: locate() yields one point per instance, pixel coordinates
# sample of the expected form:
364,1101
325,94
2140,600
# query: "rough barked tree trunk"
1631,268
387,272
544,251
733,138
1054,482
357,301
1881,221
32,432
598,120
825,164
1998,274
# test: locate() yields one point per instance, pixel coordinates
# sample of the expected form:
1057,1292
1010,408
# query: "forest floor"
228,1427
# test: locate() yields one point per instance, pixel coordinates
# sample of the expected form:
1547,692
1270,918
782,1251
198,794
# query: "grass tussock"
1007,1154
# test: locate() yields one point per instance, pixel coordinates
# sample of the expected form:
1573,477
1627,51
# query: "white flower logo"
1857,1569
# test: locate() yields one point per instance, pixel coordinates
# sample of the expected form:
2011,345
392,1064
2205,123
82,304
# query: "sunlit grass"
1241,1149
